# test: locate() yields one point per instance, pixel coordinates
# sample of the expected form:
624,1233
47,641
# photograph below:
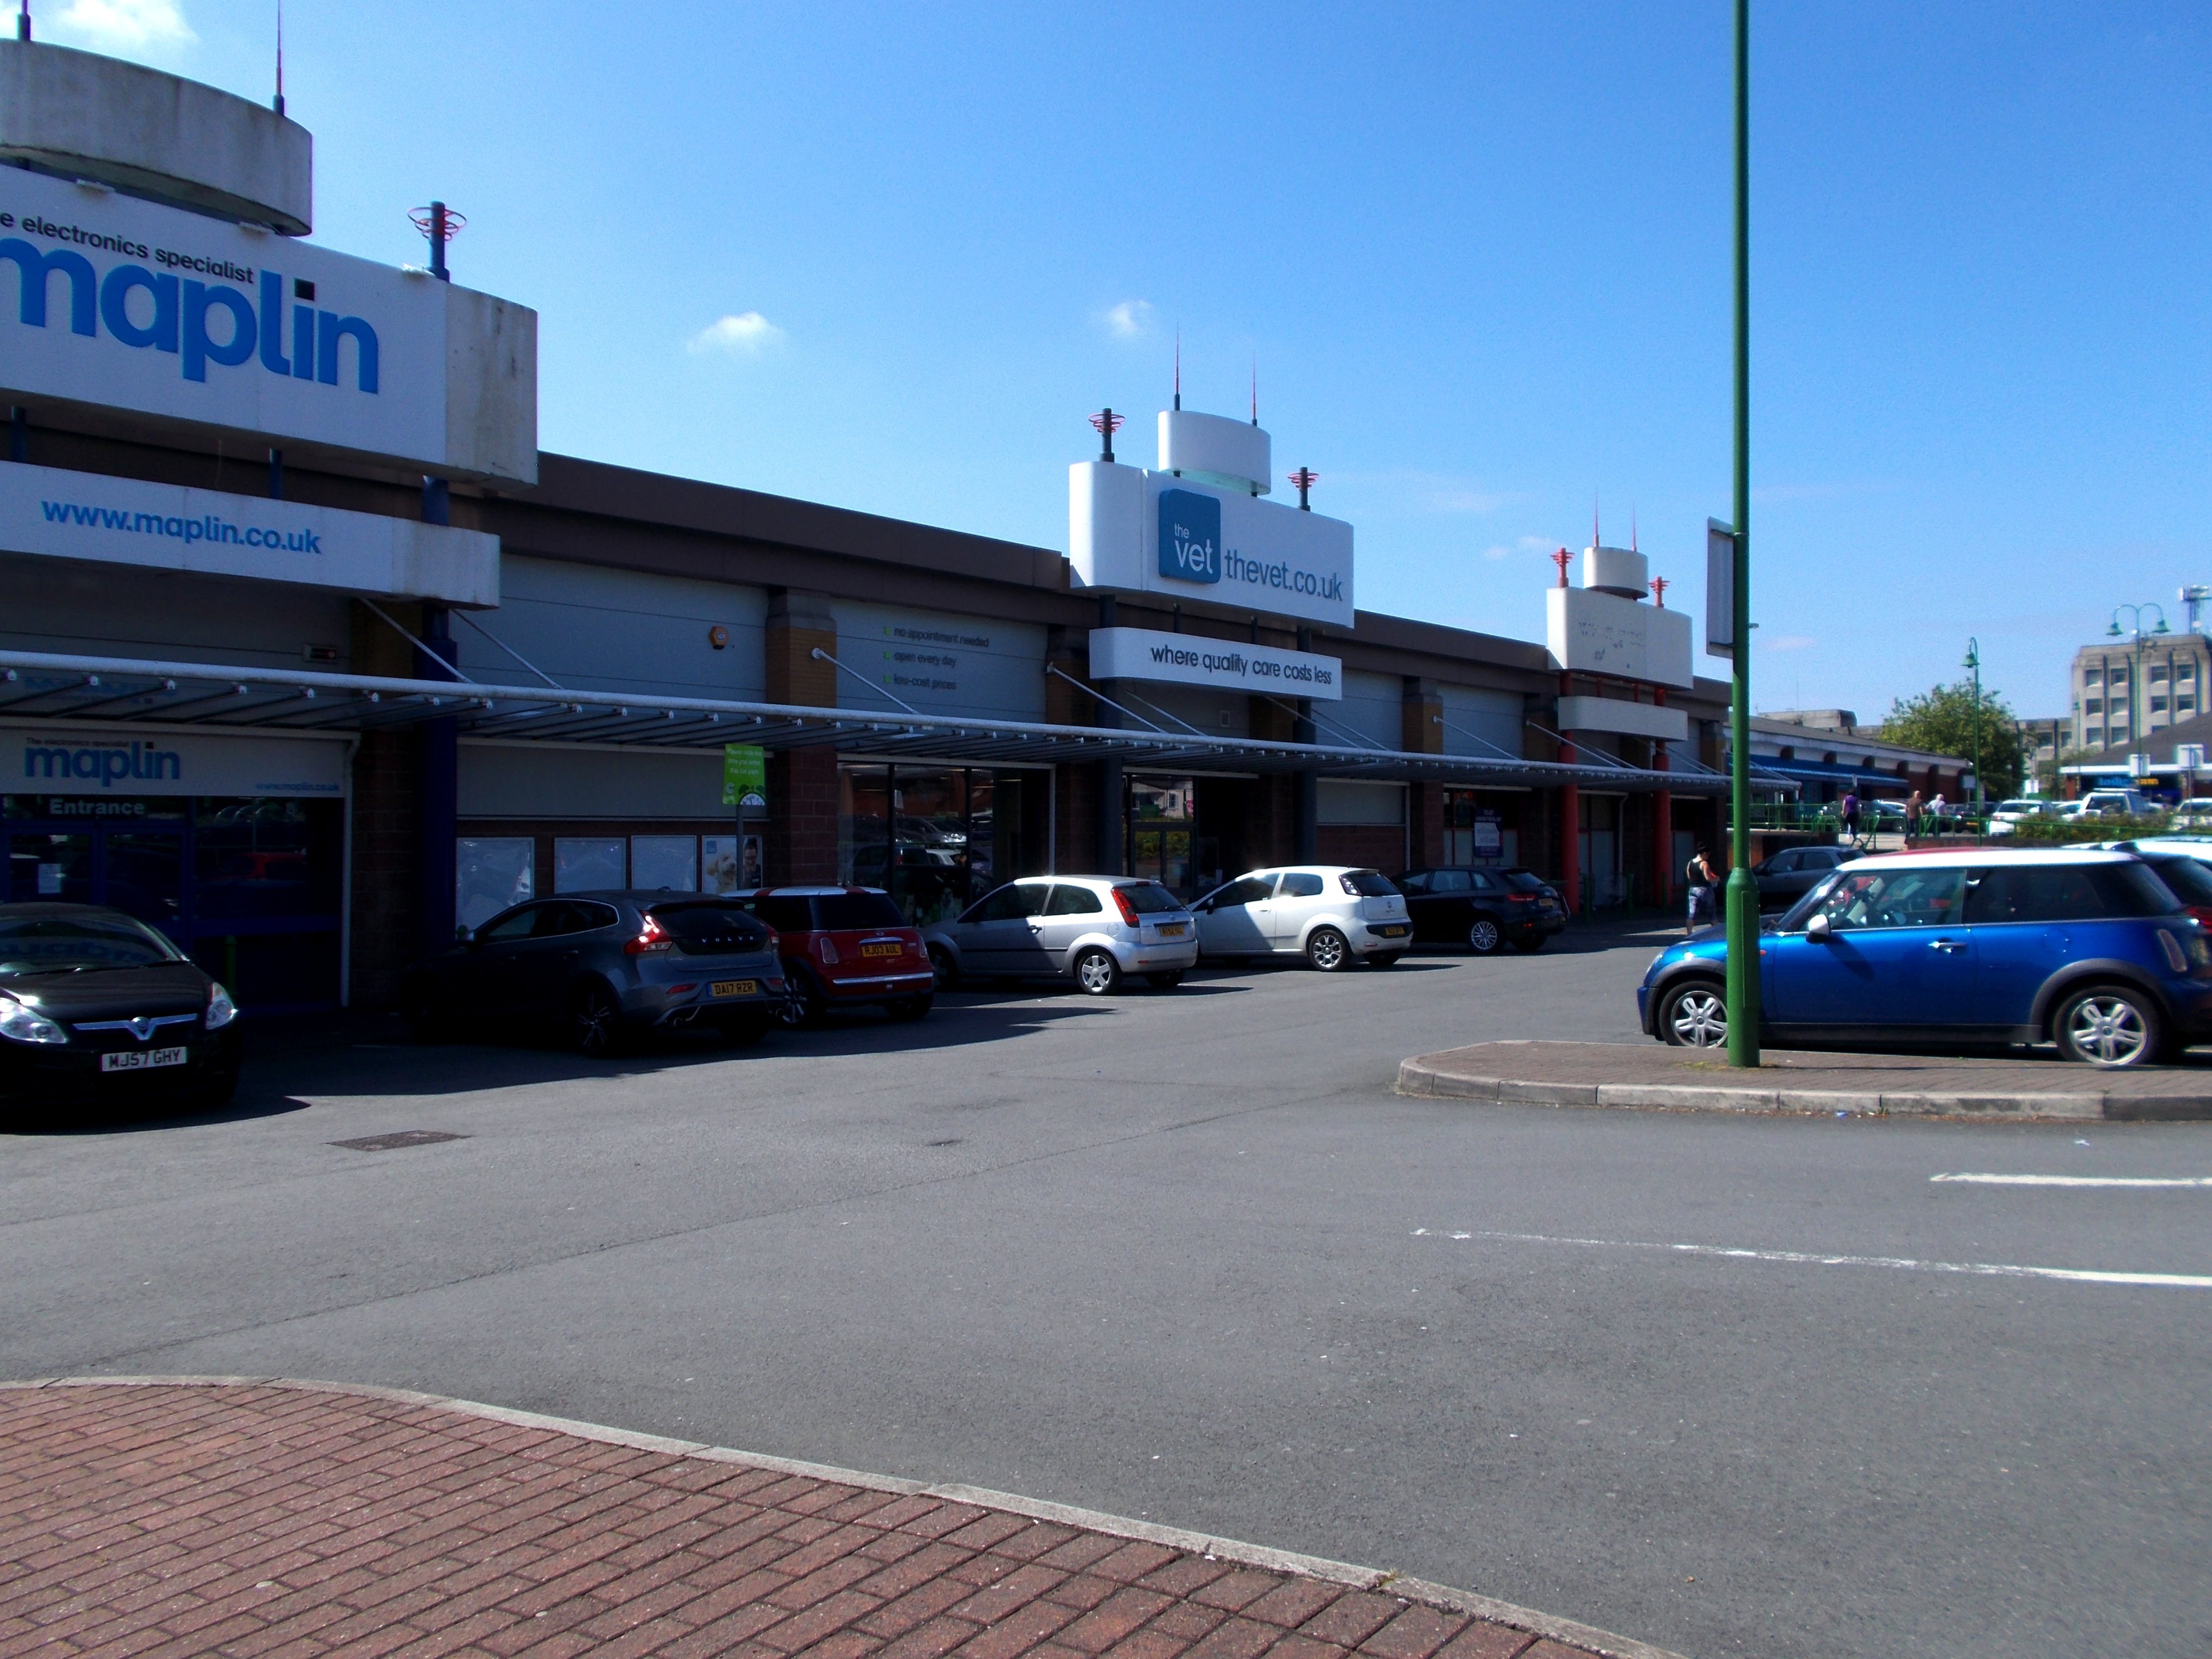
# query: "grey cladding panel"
596,629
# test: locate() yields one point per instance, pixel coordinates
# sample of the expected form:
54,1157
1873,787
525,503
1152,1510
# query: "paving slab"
1653,1076
263,1515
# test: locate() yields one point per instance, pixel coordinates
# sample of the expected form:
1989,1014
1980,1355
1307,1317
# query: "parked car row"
2101,950
93,1001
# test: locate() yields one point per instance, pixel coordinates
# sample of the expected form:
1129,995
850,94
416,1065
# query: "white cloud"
1788,643
1526,545
741,333
123,24
1129,320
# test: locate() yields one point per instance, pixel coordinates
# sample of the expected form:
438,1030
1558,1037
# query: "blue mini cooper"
2088,950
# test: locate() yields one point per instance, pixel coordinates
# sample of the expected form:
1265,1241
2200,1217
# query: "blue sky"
888,257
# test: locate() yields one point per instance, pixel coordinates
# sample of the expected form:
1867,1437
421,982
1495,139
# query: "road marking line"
1993,1269
2076,1180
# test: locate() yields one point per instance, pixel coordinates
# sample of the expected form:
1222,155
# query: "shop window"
1342,802
583,863
732,864
1481,828
665,863
935,838
491,873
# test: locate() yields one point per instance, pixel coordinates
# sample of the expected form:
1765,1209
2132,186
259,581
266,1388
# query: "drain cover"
393,1142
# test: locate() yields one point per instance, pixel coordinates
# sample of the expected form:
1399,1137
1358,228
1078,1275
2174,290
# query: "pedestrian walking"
1912,804
1938,811
1699,878
1850,803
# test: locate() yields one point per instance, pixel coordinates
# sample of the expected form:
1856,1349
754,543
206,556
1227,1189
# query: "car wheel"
1098,972
802,1004
746,1029
947,970
1694,1015
595,1022
1165,981
1329,950
1385,959
2109,1026
1483,937
913,1007
1531,944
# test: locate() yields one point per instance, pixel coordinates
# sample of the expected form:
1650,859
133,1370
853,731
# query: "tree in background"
1941,721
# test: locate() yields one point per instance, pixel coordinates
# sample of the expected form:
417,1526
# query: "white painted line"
2076,1180
1995,1269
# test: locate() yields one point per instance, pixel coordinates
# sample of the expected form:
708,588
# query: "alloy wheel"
1698,1018
1482,936
1096,973
594,1023
2106,1029
1326,950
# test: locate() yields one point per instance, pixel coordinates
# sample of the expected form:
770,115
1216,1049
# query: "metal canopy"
218,697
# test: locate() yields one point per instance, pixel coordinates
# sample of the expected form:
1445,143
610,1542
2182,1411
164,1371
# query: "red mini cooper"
844,947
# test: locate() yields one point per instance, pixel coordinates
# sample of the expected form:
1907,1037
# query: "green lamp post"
1974,661
1742,892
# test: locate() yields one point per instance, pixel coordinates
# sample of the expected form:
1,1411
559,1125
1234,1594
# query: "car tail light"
826,948
1520,898
1128,910
651,937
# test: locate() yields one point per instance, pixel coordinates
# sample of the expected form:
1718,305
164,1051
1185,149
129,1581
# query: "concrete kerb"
1567,1631
1422,1077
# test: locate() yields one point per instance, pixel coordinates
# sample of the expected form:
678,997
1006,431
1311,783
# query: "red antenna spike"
1659,587
1255,388
1178,383
1563,558
1632,529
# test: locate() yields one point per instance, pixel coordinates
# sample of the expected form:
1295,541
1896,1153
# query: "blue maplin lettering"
1190,535
107,763
181,314
201,528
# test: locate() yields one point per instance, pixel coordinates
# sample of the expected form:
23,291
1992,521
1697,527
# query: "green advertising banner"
744,774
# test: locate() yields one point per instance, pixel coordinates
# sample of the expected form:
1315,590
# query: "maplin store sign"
126,304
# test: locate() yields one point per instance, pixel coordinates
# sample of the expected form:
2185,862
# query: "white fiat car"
1094,930
1331,914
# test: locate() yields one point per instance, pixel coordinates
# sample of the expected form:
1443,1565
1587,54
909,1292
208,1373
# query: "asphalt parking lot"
1185,1256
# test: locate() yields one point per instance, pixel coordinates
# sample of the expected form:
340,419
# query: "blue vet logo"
1190,535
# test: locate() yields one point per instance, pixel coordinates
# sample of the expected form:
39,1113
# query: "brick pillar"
386,859
1425,823
802,783
1421,717
1662,822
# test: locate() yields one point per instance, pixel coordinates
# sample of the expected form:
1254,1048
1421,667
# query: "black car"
1480,908
1786,876
96,1007
606,967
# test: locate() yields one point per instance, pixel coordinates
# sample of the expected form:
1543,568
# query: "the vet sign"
1190,535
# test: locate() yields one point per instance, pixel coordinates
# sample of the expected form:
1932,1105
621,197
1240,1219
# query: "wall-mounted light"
718,637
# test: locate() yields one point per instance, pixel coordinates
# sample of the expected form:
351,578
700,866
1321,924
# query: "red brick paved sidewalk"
162,1520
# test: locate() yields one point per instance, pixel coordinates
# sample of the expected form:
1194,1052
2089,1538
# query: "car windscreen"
1149,898
699,928
1368,883
849,912
60,944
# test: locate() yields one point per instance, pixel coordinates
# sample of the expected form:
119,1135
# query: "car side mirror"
1817,928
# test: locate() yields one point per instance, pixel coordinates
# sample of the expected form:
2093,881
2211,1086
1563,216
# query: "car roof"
1103,881
808,892
32,909
2090,854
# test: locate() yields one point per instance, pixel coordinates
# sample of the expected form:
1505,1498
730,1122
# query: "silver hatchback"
1096,930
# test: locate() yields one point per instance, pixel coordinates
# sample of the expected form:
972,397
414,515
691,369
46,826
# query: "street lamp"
2134,671
1974,661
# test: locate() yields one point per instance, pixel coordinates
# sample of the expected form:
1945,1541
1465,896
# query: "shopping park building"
310,656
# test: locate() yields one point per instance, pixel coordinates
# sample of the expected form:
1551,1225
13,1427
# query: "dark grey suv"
605,967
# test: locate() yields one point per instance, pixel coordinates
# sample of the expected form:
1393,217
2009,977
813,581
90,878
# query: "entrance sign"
108,301
85,515
1145,653
90,767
